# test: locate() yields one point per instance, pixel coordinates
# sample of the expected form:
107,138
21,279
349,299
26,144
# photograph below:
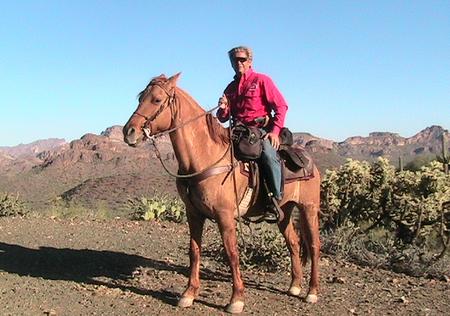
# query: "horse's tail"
302,233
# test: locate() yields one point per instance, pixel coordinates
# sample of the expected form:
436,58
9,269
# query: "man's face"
240,62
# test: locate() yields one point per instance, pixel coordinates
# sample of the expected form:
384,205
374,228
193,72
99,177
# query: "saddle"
297,162
297,165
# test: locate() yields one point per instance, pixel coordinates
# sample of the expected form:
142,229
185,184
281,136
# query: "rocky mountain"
93,170
102,169
392,145
328,153
34,148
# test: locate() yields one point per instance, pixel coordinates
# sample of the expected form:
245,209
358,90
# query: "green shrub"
381,249
158,207
11,205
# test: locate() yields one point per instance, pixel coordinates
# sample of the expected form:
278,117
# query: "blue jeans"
271,165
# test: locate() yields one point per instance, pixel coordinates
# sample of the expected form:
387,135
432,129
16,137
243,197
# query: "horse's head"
154,112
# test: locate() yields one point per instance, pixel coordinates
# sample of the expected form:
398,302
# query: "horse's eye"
156,101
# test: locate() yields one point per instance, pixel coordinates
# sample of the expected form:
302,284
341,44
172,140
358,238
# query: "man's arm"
223,113
277,103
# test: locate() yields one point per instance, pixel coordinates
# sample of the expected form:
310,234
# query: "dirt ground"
122,267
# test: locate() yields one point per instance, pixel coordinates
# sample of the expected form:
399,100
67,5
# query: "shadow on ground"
86,265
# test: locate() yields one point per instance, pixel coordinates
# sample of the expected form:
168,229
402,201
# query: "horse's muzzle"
130,136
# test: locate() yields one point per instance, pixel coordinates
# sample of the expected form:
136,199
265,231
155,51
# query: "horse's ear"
173,80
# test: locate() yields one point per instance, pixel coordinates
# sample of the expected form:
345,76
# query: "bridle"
170,103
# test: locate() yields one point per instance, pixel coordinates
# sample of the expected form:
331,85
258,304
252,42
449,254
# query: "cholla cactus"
407,202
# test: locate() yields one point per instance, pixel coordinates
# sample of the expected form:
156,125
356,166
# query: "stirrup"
271,216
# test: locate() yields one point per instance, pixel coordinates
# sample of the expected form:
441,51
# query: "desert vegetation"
378,216
372,214
157,207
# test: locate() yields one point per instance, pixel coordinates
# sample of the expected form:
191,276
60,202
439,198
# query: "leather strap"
210,172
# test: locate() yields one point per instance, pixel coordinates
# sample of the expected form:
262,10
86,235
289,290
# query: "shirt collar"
245,76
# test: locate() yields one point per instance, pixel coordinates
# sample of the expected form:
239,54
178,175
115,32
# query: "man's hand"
223,102
274,140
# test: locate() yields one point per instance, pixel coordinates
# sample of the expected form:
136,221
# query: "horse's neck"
193,145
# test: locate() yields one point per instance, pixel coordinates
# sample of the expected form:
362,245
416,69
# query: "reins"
240,234
157,135
190,175
147,132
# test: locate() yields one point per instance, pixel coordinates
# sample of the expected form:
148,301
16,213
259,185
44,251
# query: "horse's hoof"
294,291
311,298
185,302
235,308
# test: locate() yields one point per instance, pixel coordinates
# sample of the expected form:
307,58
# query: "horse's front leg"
227,227
196,224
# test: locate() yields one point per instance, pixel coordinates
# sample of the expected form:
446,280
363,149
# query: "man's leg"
272,168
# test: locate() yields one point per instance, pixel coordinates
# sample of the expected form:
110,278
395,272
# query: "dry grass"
380,249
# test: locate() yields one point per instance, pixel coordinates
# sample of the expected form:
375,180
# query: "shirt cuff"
222,115
276,130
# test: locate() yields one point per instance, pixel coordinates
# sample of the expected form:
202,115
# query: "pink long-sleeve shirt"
253,96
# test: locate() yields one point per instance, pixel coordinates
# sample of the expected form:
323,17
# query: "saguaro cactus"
445,159
400,163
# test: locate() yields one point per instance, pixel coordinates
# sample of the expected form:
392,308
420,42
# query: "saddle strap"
247,200
211,172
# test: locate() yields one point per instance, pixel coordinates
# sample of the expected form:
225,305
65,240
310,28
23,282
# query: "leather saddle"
296,161
298,164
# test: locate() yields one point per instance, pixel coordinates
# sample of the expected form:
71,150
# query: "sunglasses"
240,59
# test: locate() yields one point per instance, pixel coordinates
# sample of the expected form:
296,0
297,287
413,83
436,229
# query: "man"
252,97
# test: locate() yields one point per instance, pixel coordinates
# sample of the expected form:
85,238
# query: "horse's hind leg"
293,244
196,224
309,223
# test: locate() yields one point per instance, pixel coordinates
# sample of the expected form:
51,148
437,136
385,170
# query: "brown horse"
201,146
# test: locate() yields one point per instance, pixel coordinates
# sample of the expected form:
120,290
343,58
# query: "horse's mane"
217,132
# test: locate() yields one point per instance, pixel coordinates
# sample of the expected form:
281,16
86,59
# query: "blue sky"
346,68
